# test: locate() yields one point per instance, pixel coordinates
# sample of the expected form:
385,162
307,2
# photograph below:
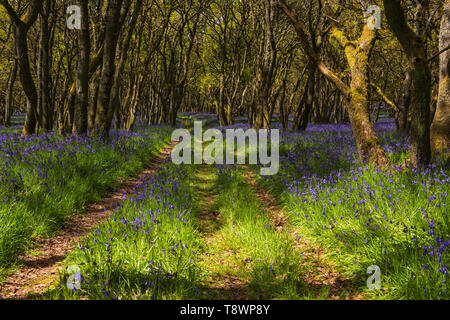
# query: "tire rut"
320,273
217,285
40,270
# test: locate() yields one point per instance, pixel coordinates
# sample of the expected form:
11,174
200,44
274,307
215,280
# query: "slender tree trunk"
46,105
267,68
80,124
102,126
27,81
115,101
70,111
92,107
134,101
356,95
220,104
220,107
404,123
9,100
440,129
307,103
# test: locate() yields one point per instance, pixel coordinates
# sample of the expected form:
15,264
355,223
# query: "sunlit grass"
396,219
265,260
146,250
48,178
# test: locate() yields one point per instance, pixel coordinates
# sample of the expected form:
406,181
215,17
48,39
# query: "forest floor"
241,222
321,273
249,250
220,263
40,267
226,232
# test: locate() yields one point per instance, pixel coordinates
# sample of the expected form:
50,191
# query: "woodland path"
227,272
41,266
225,266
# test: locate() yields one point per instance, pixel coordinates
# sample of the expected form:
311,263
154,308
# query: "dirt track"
42,267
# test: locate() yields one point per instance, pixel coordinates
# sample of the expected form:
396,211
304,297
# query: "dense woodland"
316,60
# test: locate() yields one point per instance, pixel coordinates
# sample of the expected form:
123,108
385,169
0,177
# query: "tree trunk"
404,123
366,139
80,124
21,48
266,72
46,105
9,100
115,101
101,126
414,47
92,106
440,129
307,103
27,81
220,105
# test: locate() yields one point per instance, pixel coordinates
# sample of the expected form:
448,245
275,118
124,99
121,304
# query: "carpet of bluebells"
45,178
147,248
397,219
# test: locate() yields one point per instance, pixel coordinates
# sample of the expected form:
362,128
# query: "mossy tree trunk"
357,54
356,96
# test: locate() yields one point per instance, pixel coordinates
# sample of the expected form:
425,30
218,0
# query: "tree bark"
404,123
9,100
101,127
46,104
414,47
266,71
305,107
92,107
115,102
21,47
440,129
80,124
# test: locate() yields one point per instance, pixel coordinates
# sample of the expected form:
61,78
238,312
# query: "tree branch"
385,98
439,53
307,48
11,12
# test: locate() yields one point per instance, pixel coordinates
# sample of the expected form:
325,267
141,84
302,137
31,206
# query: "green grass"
202,232
52,177
246,247
396,219
146,250
132,256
